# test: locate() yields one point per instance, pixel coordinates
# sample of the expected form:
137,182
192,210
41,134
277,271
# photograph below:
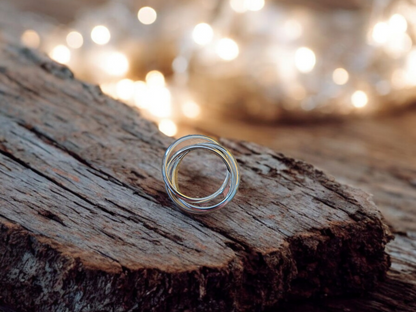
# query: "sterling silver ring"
176,152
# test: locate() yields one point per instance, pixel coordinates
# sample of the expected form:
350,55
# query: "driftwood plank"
85,223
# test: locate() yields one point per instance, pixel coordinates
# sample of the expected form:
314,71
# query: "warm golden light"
305,60
241,6
397,23
168,127
125,89
30,38
411,68
238,6
61,54
159,101
141,95
155,78
74,40
109,89
340,76
147,15
191,109
115,64
202,34
398,45
293,29
255,5
399,79
227,49
380,33
359,99
100,35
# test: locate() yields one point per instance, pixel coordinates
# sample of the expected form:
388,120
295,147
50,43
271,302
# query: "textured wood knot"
58,70
51,216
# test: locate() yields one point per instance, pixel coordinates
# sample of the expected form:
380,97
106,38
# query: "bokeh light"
227,49
74,40
30,38
305,60
147,15
61,54
155,78
141,95
380,33
202,34
159,102
254,5
168,127
340,76
125,89
100,35
191,109
359,99
115,64
397,23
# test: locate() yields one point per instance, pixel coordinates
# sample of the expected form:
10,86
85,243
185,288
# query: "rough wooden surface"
85,222
376,155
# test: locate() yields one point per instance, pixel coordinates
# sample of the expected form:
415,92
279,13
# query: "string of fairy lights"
278,51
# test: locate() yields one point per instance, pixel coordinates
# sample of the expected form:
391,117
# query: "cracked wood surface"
376,155
85,223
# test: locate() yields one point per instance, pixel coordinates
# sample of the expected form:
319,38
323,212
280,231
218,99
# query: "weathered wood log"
376,155
85,223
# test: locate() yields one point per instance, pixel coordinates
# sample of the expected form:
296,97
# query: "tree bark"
85,223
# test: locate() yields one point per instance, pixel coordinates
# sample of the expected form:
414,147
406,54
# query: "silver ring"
176,152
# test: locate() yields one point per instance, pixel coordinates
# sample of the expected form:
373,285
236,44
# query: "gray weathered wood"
85,222
376,155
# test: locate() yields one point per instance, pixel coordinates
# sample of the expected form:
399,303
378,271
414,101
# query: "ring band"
176,152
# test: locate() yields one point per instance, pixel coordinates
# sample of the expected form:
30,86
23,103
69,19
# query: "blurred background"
202,63
328,81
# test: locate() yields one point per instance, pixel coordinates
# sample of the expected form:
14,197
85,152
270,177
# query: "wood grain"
373,154
85,222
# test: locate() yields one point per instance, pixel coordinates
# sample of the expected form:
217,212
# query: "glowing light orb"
380,33
100,35
202,34
147,15
159,102
168,127
30,38
155,78
125,89
74,40
305,60
340,76
359,99
191,109
115,64
227,49
238,6
397,23
61,54
141,94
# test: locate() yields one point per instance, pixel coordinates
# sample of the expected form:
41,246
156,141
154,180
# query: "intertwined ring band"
176,152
